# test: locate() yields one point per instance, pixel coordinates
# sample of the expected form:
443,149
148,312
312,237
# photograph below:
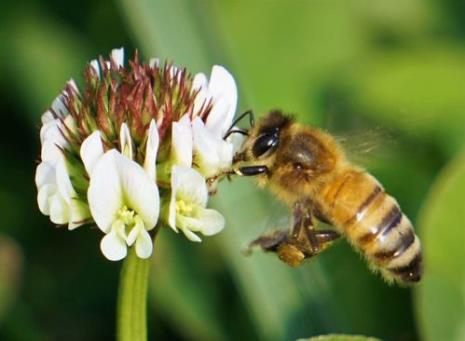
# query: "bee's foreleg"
251,170
241,171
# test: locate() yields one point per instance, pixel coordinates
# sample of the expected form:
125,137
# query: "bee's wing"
363,147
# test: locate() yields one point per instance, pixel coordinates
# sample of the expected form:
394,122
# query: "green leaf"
340,337
440,298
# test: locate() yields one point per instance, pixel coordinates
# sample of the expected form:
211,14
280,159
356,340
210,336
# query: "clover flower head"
132,139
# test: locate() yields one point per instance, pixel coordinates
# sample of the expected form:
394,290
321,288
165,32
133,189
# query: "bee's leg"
241,171
269,242
304,236
251,170
303,241
292,247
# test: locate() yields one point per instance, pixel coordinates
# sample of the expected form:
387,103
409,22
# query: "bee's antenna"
235,131
237,120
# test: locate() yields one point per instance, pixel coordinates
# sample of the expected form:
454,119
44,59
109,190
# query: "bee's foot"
269,242
290,254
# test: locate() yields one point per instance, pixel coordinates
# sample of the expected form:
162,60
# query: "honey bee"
307,169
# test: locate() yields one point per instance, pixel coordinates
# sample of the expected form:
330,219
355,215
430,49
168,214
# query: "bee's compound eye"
264,143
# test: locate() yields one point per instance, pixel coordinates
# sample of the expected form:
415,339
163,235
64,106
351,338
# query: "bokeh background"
386,76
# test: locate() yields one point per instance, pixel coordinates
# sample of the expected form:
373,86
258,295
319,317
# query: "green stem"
132,299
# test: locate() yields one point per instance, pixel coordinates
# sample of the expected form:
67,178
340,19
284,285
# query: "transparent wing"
364,147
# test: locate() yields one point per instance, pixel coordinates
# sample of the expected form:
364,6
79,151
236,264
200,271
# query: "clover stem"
131,319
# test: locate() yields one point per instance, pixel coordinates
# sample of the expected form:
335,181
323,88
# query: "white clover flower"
56,196
187,208
181,148
124,203
221,90
53,131
123,196
99,155
212,153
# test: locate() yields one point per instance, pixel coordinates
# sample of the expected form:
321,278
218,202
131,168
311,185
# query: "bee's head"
264,138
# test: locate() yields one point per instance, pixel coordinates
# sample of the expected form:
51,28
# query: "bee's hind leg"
304,241
269,242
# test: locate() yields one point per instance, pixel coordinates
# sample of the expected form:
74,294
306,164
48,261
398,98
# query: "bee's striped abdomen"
372,221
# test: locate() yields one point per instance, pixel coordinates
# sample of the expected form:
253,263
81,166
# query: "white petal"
204,143
206,221
144,245
217,122
151,151
222,87
47,128
45,174
172,210
139,190
59,107
132,236
117,55
225,153
52,139
78,214
51,153
154,62
105,194
221,83
43,197
73,85
135,231
65,188
200,84
212,153
52,132
96,66
47,117
58,209
113,246
211,222
182,142
189,185
91,150
174,70
191,236
118,181
237,140
126,141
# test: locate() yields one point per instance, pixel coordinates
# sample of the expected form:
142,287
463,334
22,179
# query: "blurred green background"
389,74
